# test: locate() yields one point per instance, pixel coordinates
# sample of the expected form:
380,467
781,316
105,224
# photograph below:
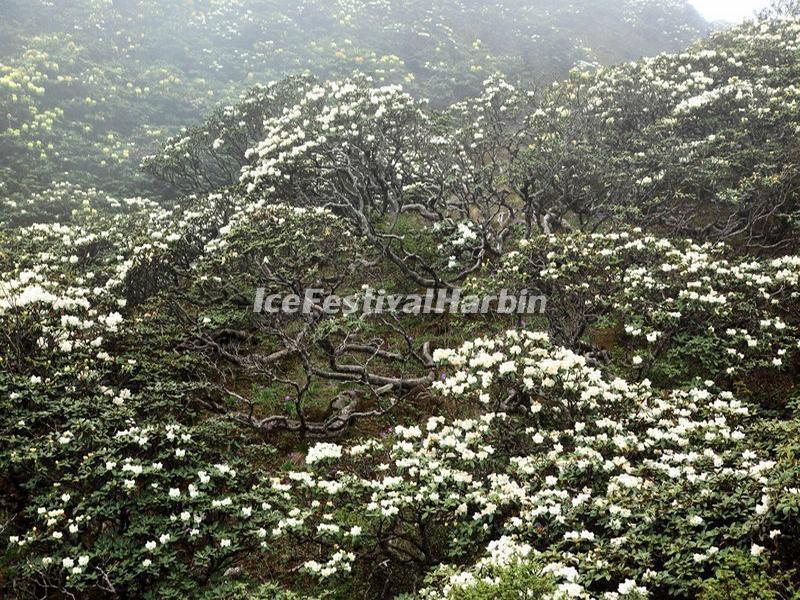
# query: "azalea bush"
679,309
88,90
636,501
165,433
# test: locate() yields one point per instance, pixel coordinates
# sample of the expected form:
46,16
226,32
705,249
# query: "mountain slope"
86,87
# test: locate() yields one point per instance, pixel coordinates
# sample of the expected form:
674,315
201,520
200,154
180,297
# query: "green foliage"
162,437
741,576
522,580
88,88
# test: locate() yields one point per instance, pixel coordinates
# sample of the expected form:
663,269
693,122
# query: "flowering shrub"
89,88
337,148
111,486
163,434
588,502
209,156
679,309
662,141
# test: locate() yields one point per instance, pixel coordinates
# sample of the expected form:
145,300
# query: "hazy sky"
729,10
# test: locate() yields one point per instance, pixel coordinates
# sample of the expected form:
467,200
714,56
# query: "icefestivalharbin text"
370,301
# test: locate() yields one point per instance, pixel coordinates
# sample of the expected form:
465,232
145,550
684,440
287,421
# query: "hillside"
228,380
87,87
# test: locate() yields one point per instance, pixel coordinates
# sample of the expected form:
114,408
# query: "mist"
399,299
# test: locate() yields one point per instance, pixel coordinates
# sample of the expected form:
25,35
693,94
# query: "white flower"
323,451
507,367
629,586
112,320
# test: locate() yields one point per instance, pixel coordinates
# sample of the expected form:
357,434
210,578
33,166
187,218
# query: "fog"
729,10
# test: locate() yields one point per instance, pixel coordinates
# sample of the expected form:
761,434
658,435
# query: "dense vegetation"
87,87
159,438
